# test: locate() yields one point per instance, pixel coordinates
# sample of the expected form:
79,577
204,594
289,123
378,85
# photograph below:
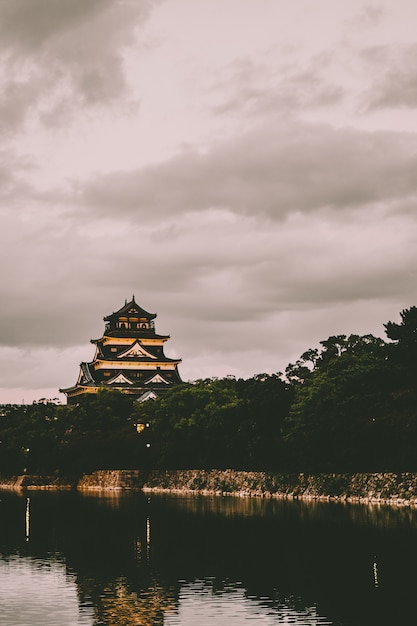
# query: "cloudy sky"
246,168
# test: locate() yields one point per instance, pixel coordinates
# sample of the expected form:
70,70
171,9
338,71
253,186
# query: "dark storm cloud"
279,219
57,55
394,77
270,232
28,25
15,101
215,268
270,171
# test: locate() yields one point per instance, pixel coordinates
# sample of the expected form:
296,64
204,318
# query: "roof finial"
133,298
125,301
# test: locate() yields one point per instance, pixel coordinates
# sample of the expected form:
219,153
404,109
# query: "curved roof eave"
131,308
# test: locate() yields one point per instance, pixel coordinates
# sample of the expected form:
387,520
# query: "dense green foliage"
338,417
97,433
219,423
350,405
355,406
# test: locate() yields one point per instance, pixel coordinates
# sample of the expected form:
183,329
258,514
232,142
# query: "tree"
403,351
218,423
402,359
97,433
337,421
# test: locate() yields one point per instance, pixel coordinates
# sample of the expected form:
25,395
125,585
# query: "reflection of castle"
129,357
120,604
135,600
141,561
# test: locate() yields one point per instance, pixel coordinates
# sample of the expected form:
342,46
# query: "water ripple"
198,603
34,592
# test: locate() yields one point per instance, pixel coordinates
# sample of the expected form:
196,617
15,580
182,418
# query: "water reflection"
119,603
198,604
27,520
375,570
130,559
39,592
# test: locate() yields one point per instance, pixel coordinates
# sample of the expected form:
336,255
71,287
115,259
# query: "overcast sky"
246,168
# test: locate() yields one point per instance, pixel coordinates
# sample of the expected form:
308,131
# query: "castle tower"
129,357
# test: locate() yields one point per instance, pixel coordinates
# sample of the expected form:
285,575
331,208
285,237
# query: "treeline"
349,406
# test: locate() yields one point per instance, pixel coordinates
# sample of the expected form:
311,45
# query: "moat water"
74,559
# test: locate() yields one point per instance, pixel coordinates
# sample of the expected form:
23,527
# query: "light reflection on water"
40,593
120,559
198,604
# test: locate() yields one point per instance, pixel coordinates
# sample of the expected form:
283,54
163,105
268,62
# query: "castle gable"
120,379
136,350
157,379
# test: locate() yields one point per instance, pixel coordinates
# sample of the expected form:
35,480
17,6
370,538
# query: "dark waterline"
70,558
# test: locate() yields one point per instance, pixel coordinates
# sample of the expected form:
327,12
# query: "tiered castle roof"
129,357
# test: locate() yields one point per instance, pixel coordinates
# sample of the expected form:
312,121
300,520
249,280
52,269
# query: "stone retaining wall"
111,479
386,488
29,481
